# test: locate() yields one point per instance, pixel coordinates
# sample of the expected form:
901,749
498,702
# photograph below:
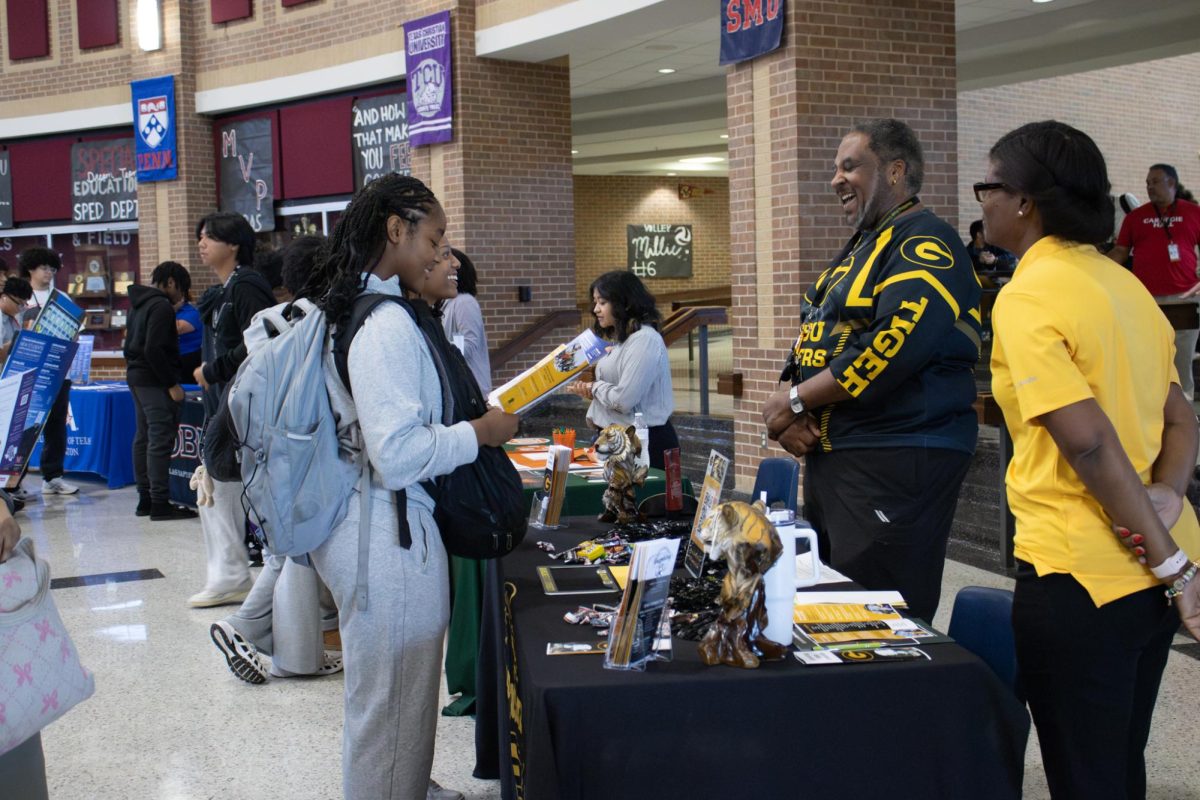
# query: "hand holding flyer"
556,370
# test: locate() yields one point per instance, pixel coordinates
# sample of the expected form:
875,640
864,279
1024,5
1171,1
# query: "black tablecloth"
943,728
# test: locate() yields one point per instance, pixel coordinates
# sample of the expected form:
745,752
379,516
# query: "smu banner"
427,58
749,28
154,123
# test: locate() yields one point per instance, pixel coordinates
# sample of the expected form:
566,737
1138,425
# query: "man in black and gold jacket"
877,391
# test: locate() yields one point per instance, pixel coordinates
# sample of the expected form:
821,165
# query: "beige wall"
605,204
1139,115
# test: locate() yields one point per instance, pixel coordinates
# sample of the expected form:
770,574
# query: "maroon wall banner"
427,59
103,181
248,172
749,28
379,130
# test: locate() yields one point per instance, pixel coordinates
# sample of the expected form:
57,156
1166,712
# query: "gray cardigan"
634,376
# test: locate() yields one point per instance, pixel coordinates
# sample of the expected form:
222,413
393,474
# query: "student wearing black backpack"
226,244
386,242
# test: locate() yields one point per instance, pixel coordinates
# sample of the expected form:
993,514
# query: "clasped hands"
796,433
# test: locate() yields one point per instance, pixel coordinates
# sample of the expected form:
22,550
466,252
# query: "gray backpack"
296,487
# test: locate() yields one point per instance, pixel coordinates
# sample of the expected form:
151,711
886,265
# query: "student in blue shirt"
175,281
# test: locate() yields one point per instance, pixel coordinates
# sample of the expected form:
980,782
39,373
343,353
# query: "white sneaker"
208,598
436,792
24,495
240,655
58,486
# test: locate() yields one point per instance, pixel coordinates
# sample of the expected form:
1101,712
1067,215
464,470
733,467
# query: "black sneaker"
143,506
170,511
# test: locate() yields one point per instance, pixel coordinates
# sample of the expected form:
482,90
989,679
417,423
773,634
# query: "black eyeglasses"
987,187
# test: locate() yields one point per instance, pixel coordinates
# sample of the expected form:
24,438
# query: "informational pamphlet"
879,655
853,626
556,370
710,495
585,579
631,641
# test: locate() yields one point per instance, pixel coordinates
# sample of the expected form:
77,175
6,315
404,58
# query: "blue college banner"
749,28
154,124
427,60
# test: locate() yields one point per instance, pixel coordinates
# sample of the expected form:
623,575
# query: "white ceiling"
629,119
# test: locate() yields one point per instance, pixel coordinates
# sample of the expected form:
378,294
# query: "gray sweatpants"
392,650
285,618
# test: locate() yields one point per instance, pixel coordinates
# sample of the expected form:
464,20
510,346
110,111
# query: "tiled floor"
169,722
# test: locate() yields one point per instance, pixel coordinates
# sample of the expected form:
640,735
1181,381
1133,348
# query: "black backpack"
479,507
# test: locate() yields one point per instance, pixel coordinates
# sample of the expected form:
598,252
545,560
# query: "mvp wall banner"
103,181
749,28
427,58
248,172
154,124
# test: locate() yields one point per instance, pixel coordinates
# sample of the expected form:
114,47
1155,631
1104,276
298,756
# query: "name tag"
1173,251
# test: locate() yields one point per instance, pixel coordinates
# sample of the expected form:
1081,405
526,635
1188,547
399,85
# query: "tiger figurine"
741,534
620,447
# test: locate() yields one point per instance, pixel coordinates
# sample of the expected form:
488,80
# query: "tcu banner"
749,28
154,126
427,59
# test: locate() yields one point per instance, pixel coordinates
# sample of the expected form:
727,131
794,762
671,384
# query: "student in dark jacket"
226,245
152,372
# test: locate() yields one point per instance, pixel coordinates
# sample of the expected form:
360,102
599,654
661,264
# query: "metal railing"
695,318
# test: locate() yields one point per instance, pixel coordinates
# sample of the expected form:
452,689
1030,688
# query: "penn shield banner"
749,28
427,59
154,128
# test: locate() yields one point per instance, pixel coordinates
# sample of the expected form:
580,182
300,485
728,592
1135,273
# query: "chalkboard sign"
379,131
660,251
6,214
103,181
248,173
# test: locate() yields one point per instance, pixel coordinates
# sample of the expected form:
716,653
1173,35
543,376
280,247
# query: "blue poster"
749,28
51,358
154,124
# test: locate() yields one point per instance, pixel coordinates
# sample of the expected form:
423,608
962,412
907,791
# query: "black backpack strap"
364,304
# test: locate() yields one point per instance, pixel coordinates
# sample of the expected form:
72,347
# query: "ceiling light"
1043,1
724,135
574,152
701,160
149,29
666,71
670,174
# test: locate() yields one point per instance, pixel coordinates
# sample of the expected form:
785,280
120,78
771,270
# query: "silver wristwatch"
795,402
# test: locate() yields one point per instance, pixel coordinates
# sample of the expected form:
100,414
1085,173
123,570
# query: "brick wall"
1140,114
605,204
841,62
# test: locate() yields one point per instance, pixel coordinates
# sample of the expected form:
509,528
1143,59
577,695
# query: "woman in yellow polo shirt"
1104,443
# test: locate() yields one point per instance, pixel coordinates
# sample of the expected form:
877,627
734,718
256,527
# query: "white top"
634,376
461,316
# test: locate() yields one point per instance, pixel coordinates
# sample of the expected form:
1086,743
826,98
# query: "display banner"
6,212
248,172
379,132
48,358
16,392
103,181
430,99
659,251
154,122
749,28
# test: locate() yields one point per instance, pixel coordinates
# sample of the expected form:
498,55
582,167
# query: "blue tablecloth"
100,431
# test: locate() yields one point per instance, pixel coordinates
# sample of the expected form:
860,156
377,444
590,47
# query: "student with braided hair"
386,242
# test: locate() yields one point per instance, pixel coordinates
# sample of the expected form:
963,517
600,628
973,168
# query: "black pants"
54,435
662,438
1091,676
157,427
883,516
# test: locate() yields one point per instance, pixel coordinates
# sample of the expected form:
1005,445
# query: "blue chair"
981,621
778,477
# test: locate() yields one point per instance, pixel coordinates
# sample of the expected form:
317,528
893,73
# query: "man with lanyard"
38,266
1162,235
877,392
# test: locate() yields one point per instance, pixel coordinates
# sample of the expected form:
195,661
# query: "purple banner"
430,100
749,28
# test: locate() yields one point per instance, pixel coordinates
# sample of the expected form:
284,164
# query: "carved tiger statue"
741,535
620,447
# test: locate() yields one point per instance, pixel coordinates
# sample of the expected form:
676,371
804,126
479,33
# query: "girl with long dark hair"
386,242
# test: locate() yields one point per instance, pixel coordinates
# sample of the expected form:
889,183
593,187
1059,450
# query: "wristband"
1170,566
1177,587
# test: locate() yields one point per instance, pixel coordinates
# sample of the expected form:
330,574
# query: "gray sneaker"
240,655
436,792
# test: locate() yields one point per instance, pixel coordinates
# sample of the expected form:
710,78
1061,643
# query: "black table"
571,729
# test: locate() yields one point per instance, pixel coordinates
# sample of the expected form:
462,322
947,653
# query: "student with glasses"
16,294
